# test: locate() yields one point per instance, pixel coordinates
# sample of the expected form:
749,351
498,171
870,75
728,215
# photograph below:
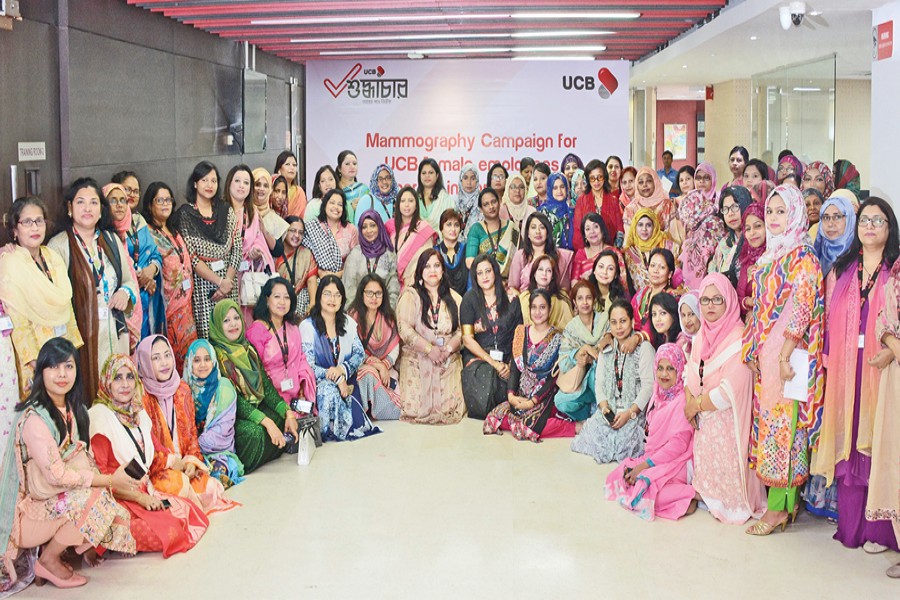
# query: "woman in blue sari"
145,257
383,190
334,351
557,209
215,410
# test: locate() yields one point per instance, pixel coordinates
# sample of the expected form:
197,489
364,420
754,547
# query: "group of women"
733,348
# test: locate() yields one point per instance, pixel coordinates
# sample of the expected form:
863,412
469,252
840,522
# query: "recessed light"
577,14
815,13
684,66
562,57
559,49
753,38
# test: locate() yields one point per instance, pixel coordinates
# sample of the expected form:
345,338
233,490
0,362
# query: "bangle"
782,359
428,348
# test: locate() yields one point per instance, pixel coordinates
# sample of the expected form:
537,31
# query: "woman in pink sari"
720,397
649,193
411,234
656,483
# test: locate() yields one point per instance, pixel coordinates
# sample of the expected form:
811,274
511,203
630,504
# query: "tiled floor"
445,512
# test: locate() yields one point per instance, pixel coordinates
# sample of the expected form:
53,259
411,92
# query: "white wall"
885,180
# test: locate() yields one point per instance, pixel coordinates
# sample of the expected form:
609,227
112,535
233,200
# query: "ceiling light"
753,38
684,66
552,34
807,89
577,15
442,17
815,13
561,57
559,49
448,36
425,51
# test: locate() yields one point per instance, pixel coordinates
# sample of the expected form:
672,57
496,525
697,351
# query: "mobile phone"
166,503
610,416
135,470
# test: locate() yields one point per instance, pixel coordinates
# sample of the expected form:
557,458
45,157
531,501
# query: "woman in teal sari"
215,404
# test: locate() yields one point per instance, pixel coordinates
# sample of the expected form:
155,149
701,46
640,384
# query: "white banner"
459,111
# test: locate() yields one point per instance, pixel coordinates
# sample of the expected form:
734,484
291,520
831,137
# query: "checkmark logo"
336,89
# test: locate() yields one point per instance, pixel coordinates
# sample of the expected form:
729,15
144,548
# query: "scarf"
796,233
657,238
825,172
129,414
692,300
260,173
203,390
517,212
467,202
385,199
659,195
700,214
569,158
163,391
712,335
191,223
254,238
382,337
743,198
25,288
380,244
675,356
239,353
577,176
795,165
846,176
847,195
321,242
827,250
124,226
712,194
761,191
576,335
748,255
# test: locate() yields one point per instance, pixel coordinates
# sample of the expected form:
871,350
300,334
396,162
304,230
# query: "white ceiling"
722,49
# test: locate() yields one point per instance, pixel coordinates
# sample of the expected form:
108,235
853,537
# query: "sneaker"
873,548
894,572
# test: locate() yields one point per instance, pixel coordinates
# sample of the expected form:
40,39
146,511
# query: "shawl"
387,200
163,391
659,195
191,223
657,414
846,176
576,335
796,233
842,320
128,414
410,242
254,238
573,195
761,191
382,337
535,367
467,203
825,171
323,350
297,271
795,164
381,244
657,238
205,389
269,217
827,250
712,194
125,224
748,255
25,288
324,246
456,270
248,369
692,300
847,195
712,335
517,212
700,215
105,421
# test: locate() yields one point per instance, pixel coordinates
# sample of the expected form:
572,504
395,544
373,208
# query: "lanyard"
292,266
434,313
282,344
494,247
864,291
97,269
702,364
42,265
371,266
132,236
619,371
138,447
336,349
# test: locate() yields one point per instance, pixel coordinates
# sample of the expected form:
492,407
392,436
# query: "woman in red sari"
120,434
412,235
178,467
599,199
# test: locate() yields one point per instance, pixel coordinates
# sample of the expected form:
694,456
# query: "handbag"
36,483
307,448
311,425
570,381
252,283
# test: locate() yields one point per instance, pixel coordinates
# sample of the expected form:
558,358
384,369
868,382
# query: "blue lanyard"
97,268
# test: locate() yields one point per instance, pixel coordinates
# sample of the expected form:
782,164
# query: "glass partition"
793,107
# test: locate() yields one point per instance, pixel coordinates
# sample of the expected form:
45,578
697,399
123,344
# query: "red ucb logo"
605,83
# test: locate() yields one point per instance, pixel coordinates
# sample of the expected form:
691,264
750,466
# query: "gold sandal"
763,528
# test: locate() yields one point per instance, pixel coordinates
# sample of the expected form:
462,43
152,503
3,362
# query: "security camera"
798,11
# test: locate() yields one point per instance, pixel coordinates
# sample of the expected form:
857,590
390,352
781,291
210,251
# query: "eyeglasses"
384,179
118,201
331,295
163,201
297,231
133,191
498,176
731,209
517,188
715,300
875,222
596,178
29,223
833,218
700,177
370,294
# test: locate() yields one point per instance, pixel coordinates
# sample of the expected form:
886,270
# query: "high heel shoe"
42,575
763,528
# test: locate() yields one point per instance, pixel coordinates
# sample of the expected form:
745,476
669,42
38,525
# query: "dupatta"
381,338
410,242
323,245
700,214
27,290
253,238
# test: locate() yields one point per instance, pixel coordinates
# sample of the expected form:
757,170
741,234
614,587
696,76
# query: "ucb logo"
605,83
379,71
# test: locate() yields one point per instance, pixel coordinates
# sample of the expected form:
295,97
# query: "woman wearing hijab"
786,316
215,411
752,245
145,259
720,396
513,205
836,232
556,208
121,432
644,236
689,319
787,166
37,296
179,468
854,297
177,272
649,193
383,190
817,176
732,204
467,199
569,164
846,176
699,212
655,484
263,417
578,187
262,195
374,254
